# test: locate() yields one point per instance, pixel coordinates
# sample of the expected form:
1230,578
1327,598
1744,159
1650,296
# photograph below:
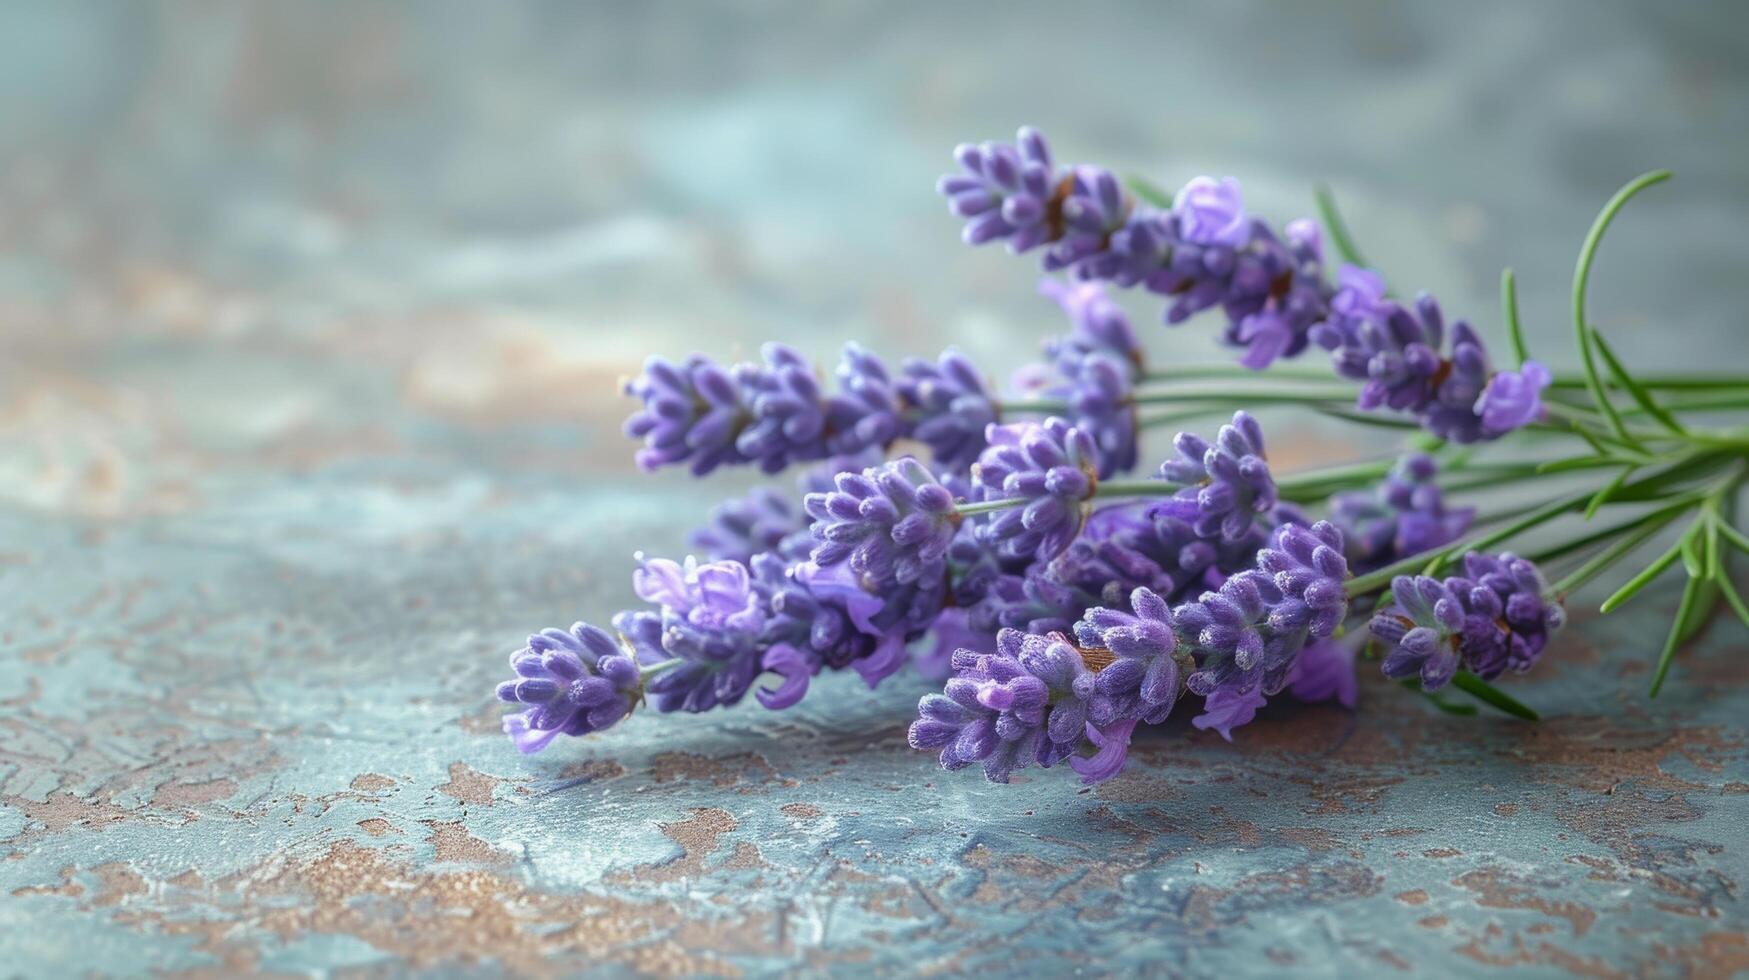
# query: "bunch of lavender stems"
1064,587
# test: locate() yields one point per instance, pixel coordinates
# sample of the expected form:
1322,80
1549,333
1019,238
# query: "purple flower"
1227,708
711,619
1111,742
763,520
1512,399
821,618
1309,570
1212,212
1146,670
951,405
692,412
1509,615
1325,670
1423,629
1093,209
1028,702
1452,415
892,522
1006,191
1404,515
574,682
1248,632
1050,465
1227,484
866,414
1099,325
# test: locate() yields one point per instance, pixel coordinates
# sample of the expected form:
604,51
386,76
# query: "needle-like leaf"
1639,393
1148,191
1336,227
1582,276
1492,696
1509,304
1641,580
1690,594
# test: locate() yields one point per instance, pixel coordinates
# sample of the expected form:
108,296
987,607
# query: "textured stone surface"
307,413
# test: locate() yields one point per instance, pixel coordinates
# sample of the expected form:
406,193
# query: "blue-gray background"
311,320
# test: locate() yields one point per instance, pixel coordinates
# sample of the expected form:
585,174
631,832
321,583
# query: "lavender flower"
692,412
710,619
1325,670
1007,191
1404,515
1228,708
1212,212
1098,326
1029,702
1227,483
952,407
1050,465
1512,399
763,520
1423,629
574,682
1452,415
822,619
867,413
1094,208
1143,679
1509,615
1250,630
1309,570
893,522
1395,351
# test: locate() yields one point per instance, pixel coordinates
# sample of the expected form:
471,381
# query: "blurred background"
239,241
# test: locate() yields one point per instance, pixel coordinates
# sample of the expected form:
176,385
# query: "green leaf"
1492,696
1337,228
1582,276
1148,191
1509,303
1641,580
1608,491
1690,593
1640,394
1578,463
1729,590
1364,418
1733,535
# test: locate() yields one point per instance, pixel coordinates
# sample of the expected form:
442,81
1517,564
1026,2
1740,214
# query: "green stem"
1337,228
1492,696
1609,556
647,671
1509,304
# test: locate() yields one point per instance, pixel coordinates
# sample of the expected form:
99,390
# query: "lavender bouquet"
1064,587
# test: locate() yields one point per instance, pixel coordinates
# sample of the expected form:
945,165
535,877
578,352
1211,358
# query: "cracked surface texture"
310,326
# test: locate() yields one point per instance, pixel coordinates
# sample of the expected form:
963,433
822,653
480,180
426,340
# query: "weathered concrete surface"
307,414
